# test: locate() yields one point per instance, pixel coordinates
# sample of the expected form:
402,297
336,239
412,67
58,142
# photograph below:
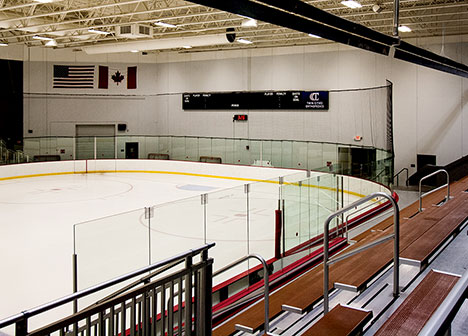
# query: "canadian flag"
117,77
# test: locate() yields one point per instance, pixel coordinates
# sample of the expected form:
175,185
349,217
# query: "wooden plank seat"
301,294
421,230
420,251
340,321
411,316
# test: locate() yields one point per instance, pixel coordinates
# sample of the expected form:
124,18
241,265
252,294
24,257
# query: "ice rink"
97,210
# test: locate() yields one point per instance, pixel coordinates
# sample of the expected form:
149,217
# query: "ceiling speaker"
230,35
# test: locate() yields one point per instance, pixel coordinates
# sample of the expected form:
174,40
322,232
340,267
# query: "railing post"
188,297
206,295
430,175
21,327
75,280
396,237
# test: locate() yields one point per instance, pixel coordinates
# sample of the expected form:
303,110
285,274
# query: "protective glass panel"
219,150
330,156
299,155
111,246
286,154
242,154
230,151
226,224
205,147
255,149
176,227
192,150
105,147
267,153
84,148
276,154
263,204
152,146
178,148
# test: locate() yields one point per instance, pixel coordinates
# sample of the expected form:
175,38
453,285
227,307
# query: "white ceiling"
68,21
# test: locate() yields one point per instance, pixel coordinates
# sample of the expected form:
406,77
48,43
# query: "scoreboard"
257,100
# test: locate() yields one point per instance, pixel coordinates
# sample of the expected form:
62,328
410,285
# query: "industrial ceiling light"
187,47
314,36
351,4
244,41
158,44
249,23
44,1
164,24
97,31
42,38
51,43
134,51
404,29
377,8
3,44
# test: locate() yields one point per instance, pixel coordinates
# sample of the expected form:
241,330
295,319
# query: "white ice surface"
38,214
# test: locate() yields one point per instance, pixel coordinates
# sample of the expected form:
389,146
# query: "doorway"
131,150
95,142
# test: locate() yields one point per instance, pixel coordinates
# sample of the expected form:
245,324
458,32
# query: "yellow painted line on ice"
178,173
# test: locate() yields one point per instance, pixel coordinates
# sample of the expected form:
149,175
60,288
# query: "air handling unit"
134,31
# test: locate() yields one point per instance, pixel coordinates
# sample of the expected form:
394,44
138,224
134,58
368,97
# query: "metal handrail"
373,218
397,175
69,298
395,236
266,286
443,316
436,189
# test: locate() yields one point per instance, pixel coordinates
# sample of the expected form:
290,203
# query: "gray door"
95,141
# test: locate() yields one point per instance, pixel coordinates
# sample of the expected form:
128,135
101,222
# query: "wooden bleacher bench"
158,156
210,159
421,250
43,158
301,294
415,311
340,321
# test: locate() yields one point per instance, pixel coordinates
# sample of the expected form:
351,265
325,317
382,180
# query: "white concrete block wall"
429,106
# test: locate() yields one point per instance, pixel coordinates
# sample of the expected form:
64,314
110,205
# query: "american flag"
73,76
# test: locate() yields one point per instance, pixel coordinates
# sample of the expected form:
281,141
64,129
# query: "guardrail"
395,236
266,289
397,175
148,300
436,189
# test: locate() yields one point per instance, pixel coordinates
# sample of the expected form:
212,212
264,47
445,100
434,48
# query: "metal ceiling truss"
281,23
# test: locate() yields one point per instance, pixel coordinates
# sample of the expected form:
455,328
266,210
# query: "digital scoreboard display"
265,100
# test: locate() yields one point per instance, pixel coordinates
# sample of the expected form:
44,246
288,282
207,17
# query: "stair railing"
395,236
104,314
266,289
436,189
397,175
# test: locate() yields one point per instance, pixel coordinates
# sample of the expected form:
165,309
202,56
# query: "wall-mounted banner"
73,77
257,100
117,77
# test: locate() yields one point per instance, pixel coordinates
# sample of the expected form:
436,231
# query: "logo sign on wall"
316,100
257,100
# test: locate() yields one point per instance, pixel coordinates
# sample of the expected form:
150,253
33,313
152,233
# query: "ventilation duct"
134,31
170,43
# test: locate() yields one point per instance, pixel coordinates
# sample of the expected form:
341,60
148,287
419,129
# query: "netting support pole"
396,17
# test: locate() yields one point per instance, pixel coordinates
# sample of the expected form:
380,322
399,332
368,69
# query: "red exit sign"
240,117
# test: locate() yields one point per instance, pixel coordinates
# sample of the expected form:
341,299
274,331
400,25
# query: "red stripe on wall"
103,77
131,77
